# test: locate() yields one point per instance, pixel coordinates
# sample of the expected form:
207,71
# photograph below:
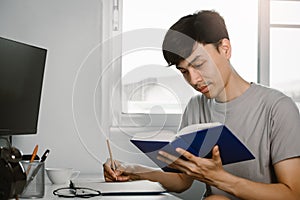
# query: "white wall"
69,29
69,123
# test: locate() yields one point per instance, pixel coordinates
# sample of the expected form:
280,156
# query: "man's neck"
234,88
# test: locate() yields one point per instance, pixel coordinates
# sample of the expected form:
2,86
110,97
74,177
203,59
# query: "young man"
266,120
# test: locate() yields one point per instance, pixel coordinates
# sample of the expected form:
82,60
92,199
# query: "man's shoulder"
271,96
268,92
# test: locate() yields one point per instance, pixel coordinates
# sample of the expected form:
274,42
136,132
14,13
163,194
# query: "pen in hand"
113,166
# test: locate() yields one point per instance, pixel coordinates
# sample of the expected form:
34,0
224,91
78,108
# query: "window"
144,90
285,47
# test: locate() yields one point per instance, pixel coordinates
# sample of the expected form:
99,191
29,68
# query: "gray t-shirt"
265,120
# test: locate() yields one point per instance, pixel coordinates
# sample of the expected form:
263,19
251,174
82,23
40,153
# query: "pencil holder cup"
35,181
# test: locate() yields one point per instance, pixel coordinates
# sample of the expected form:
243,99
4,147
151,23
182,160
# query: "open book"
198,139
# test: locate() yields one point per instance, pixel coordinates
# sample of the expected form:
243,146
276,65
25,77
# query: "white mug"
61,175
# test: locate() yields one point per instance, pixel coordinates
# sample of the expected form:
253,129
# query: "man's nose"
195,76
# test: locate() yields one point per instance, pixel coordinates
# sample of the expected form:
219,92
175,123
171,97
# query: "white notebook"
130,187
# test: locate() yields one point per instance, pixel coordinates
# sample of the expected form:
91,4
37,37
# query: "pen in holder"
35,182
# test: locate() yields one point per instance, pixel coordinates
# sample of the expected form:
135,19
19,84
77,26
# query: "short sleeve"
285,130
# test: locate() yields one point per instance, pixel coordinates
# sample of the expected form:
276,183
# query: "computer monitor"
21,80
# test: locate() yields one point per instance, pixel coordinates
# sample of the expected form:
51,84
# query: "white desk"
49,188
165,196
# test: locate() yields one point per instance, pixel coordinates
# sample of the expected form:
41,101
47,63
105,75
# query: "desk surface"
49,188
164,196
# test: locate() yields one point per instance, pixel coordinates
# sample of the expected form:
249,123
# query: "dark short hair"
206,27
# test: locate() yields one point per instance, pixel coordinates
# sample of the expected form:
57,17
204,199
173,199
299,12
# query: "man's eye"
198,65
183,71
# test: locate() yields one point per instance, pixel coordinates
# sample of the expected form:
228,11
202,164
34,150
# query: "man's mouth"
203,89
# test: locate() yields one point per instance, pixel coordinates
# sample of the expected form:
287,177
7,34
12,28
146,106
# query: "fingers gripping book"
198,139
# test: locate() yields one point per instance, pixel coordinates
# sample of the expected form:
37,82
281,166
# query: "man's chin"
207,94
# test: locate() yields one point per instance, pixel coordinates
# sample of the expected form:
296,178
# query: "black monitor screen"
21,77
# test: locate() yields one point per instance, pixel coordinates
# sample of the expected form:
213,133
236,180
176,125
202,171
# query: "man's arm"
173,182
211,172
288,186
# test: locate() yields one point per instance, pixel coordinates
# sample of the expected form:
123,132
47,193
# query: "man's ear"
225,48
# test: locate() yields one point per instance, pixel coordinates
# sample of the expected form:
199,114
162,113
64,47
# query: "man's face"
206,70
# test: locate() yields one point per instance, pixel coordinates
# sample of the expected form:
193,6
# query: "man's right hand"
118,174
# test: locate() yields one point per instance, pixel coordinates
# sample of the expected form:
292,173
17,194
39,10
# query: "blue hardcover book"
198,139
